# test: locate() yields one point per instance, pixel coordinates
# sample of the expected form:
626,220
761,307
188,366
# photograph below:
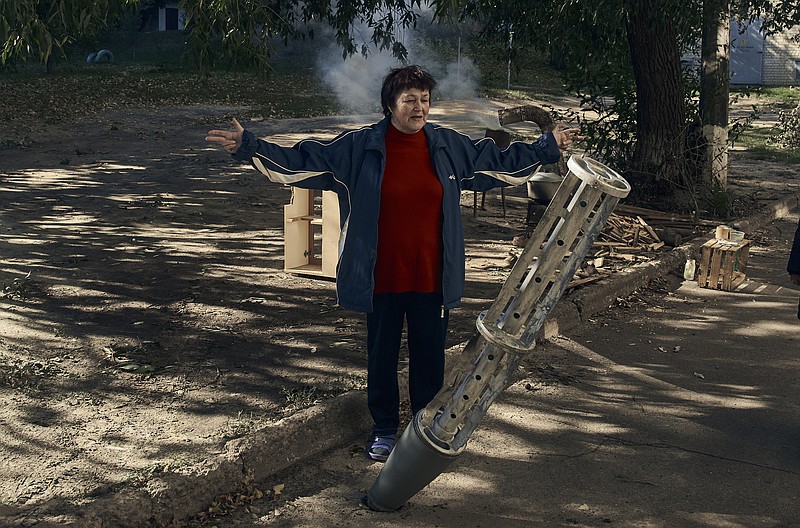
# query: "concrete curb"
182,495
343,419
574,310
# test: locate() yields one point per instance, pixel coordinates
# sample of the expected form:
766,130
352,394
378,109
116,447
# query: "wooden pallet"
723,264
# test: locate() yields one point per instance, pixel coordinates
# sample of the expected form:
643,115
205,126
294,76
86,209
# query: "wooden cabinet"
311,233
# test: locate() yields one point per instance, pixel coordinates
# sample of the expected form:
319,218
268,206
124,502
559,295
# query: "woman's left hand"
566,136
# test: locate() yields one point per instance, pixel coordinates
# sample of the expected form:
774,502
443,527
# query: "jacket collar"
376,138
433,139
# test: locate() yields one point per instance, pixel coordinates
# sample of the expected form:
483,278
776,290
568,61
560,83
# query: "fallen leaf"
137,368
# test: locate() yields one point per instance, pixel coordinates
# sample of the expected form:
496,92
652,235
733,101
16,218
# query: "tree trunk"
659,157
714,91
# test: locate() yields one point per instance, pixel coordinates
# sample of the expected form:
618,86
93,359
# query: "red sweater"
410,220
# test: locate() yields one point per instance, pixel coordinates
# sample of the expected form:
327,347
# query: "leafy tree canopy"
607,48
239,31
40,28
591,43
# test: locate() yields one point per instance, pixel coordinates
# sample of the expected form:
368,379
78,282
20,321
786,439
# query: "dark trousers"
426,328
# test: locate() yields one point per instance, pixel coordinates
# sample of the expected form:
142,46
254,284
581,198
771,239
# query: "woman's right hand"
230,141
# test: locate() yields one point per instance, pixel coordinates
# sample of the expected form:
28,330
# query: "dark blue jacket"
794,257
352,165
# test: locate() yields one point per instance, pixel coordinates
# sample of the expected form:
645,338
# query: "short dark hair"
400,79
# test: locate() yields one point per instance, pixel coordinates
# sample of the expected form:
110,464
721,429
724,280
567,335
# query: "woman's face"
410,110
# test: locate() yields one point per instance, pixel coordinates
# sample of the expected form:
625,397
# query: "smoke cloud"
356,81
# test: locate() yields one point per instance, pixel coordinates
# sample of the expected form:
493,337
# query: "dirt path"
677,407
146,318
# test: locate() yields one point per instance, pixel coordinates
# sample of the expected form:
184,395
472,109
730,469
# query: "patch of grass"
301,397
140,357
756,141
154,47
19,288
242,425
531,76
25,375
89,91
760,141
352,382
783,95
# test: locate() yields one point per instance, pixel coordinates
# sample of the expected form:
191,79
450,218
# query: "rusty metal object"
532,113
539,116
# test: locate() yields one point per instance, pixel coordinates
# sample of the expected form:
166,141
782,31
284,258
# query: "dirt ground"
145,317
676,407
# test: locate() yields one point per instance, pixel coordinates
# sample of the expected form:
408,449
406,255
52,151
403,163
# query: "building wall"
781,63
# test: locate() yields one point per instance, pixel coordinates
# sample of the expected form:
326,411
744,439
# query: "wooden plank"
651,213
716,261
705,264
585,280
728,261
609,244
648,228
744,256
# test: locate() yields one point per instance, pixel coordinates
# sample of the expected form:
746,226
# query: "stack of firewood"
634,234
624,237
622,240
630,234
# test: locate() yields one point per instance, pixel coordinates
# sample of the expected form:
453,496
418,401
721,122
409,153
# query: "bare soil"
145,316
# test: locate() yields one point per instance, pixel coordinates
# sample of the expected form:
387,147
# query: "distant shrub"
788,136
